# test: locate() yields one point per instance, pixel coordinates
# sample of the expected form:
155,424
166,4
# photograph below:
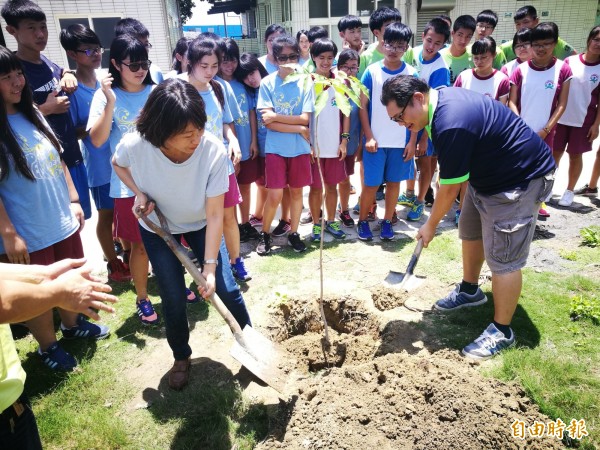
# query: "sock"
505,329
410,193
468,288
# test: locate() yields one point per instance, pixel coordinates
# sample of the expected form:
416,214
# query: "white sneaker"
567,198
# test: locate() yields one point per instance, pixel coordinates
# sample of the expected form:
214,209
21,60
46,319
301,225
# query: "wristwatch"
211,261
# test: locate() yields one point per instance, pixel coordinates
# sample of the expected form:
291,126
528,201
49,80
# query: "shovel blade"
402,281
262,357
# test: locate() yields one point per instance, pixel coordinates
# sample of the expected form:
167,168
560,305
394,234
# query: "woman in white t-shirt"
171,160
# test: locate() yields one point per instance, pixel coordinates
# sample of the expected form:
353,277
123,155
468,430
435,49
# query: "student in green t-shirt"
457,56
486,24
526,17
378,22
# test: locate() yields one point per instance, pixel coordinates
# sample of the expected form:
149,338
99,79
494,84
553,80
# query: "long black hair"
249,62
181,48
122,47
198,49
10,149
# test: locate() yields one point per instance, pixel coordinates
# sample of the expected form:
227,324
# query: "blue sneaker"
387,232
85,329
457,300
333,228
191,296
356,208
416,212
57,359
239,270
315,236
405,200
364,231
457,217
145,312
491,341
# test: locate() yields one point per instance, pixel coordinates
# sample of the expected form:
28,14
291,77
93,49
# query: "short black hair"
347,55
397,32
229,49
445,17
545,30
525,11
76,34
131,26
122,47
438,26
274,28
14,11
282,42
488,16
249,62
349,22
401,88
484,45
382,15
523,35
468,22
317,32
321,46
170,107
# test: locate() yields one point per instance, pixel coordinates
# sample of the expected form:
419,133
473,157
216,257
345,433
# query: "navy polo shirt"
43,79
480,140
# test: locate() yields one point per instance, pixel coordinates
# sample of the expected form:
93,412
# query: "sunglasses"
285,58
134,67
91,51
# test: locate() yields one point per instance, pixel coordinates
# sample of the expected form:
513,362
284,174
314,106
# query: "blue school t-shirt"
40,210
271,68
230,98
242,123
261,129
352,145
216,115
127,107
43,79
97,159
290,99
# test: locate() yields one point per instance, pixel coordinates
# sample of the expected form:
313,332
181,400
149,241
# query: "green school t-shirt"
309,65
370,55
456,64
562,50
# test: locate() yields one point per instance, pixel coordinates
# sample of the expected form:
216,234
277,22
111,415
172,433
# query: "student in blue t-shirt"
40,213
272,32
115,107
50,84
388,154
83,46
138,30
287,162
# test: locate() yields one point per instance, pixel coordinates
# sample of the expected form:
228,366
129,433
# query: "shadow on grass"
211,411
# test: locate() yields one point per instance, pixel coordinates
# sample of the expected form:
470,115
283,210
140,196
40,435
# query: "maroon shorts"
281,171
334,172
350,162
70,247
550,139
249,171
573,139
126,225
232,196
260,181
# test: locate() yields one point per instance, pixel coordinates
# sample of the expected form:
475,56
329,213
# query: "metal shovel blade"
406,281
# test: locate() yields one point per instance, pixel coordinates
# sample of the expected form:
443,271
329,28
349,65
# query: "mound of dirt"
385,298
402,401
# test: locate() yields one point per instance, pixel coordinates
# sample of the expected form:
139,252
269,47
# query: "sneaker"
243,233
372,216
248,232
315,236
387,232
255,221
146,312
429,199
379,195
306,218
352,190
296,243
118,271
543,212
119,247
191,296
333,228
394,218
457,300
239,270
85,329
356,208
264,244
57,359
346,219
587,191
416,212
491,341
405,200
567,198
282,228
364,231
456,217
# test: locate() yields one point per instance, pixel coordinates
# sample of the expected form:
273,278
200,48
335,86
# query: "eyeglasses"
349,68
399,118
485,26
91,51
395,48
286,58
525,46
541,45
134,67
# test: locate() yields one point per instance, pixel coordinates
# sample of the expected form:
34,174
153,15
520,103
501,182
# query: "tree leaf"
321,102
342,103
292,77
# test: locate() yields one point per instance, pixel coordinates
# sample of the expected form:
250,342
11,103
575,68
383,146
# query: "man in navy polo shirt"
510,171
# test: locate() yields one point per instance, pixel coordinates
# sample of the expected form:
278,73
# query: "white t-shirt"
327,134
510,67
583,92
495,86
180,190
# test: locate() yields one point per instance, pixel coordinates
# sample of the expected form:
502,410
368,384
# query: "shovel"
251,349
406,281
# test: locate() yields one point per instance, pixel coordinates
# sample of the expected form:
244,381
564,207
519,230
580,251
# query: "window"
338,8
286,6
103,26
317,9
333,8
366,7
